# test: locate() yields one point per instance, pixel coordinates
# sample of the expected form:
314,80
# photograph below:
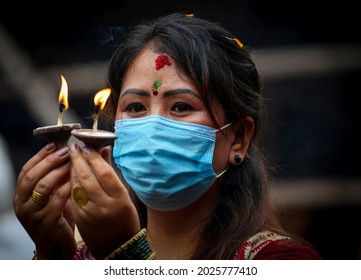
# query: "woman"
190,182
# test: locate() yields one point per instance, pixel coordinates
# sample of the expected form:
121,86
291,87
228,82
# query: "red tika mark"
161,61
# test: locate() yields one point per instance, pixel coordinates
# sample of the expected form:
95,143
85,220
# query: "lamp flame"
63,100
101,98
99,101
63,96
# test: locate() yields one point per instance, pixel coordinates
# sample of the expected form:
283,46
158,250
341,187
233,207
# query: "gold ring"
39,198
80,196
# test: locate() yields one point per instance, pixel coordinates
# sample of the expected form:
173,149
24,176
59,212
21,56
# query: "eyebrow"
180,91
135,91
166,93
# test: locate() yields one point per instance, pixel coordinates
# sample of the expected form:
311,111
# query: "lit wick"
59,133
95,138
96,116
60,116
99,101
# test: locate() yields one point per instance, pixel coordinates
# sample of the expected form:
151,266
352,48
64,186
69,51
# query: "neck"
175,235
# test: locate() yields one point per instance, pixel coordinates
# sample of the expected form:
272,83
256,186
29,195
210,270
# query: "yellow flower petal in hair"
237,41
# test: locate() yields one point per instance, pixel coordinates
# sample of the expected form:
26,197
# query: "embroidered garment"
267,245
264,245
83,253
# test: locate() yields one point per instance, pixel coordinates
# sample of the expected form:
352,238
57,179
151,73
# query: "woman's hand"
42,205
108,218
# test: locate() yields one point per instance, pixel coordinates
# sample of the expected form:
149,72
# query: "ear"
243,131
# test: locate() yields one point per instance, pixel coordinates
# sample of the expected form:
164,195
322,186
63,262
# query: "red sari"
267,245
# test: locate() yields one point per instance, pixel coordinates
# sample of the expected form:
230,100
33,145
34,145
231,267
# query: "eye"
181,107
135,108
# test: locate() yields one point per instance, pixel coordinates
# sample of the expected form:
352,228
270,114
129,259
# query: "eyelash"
177,107
179,104
133,107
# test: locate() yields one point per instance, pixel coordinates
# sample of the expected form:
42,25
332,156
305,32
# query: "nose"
157,107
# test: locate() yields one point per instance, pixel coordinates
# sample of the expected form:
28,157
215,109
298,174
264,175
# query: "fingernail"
61,152
49,147
86,150
73,147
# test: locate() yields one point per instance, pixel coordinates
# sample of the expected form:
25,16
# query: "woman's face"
153,86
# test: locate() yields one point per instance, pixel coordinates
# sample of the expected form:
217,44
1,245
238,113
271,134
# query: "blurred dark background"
308,53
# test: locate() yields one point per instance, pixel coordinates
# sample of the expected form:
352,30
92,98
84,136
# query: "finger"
82,173
60,202
106,154
43,153
30,213
42,195
104,172
54,224
58,205
43,168
47,188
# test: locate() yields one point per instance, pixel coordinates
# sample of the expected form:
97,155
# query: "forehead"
149,65
149,60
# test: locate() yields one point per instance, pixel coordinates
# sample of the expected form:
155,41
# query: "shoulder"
267,245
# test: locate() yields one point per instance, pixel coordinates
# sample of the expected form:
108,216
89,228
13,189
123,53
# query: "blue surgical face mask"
167,163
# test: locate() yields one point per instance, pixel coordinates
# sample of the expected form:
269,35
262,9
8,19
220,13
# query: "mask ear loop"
223,127
224,171
216,130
